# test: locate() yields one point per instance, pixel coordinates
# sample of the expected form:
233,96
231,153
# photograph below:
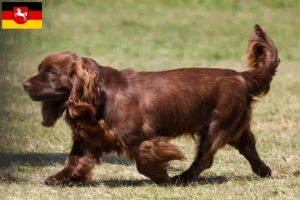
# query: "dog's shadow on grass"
203,180
31,159
296,173
48,159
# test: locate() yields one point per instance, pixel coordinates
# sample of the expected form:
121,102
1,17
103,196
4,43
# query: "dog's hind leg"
246,146
153,156
212,138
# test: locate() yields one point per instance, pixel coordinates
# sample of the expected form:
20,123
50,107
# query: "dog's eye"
51,73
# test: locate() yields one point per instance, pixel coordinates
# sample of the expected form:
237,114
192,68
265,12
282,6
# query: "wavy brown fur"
84,95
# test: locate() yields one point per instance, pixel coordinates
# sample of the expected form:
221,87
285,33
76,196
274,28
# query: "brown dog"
136,113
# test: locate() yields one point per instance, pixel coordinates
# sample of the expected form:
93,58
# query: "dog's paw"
185,178
264,172
52,181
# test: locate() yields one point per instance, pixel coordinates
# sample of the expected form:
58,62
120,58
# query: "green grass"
152,35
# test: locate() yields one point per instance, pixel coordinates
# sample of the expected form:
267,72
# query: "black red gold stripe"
32,15
31,5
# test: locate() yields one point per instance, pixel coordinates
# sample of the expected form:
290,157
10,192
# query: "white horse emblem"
20,14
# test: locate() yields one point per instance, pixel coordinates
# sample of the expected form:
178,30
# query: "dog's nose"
26,85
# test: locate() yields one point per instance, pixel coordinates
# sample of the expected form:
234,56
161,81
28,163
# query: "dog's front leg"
78,166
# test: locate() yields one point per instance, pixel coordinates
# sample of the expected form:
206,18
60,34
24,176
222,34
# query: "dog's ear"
85,94
52,111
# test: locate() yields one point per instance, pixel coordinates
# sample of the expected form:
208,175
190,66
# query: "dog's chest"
96,135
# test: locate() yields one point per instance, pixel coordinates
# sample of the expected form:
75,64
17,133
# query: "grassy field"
152,35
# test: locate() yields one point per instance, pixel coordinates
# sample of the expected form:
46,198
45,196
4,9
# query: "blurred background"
151,35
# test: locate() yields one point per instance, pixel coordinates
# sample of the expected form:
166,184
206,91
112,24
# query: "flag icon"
22,15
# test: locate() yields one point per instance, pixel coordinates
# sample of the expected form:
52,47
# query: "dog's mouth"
36,97
48,96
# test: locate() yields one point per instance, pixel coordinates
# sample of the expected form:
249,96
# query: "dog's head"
64,80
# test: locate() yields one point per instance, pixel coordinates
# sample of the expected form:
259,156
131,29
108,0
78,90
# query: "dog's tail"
262,58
